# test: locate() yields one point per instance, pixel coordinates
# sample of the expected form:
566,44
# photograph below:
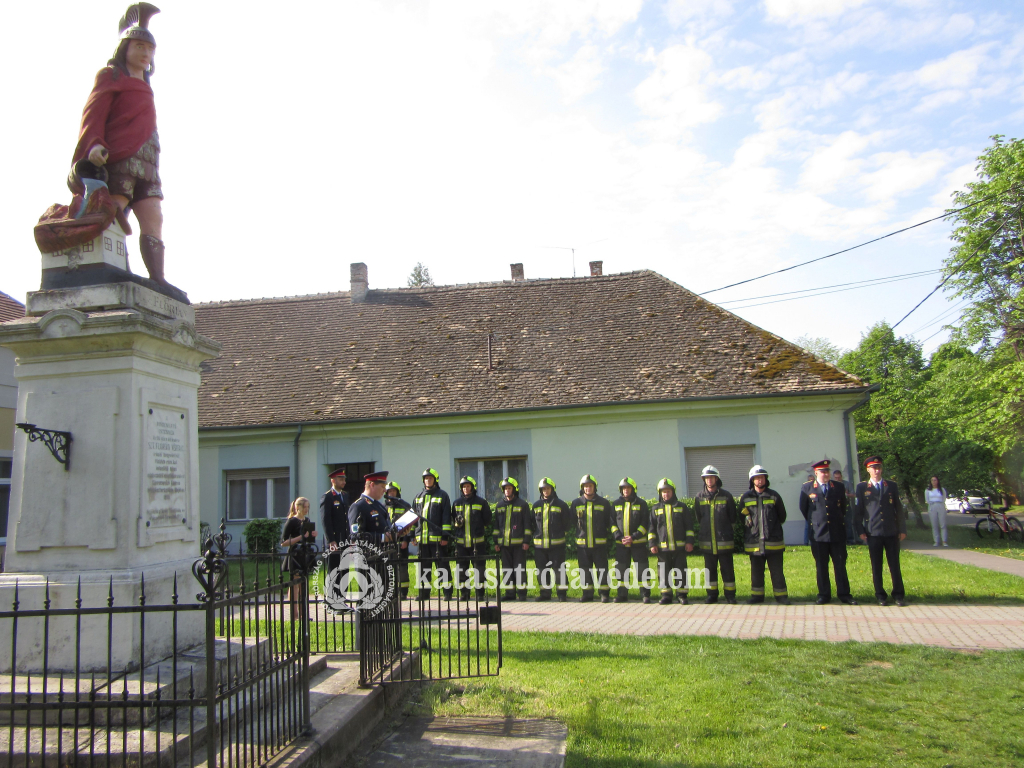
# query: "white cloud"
675,96
579,75
801,10
679,12
835,162
957,70
900,172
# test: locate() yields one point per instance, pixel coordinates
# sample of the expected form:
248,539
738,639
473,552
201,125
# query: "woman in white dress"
936,498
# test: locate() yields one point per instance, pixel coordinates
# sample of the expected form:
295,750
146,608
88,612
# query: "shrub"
262,536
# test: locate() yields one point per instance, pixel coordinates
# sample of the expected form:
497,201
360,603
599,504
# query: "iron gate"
454,632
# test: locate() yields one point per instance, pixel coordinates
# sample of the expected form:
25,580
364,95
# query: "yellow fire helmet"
666,483
510,481
588,479
547,481
628,481
467,479
432,473
395,486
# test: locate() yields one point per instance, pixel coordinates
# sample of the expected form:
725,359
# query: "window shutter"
732,461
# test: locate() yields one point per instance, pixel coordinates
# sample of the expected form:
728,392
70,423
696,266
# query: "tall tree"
420,276
986,264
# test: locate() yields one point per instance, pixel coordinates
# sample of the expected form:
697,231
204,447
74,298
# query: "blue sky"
708,140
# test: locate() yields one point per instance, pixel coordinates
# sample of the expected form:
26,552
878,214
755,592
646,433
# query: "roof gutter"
541,408
846,426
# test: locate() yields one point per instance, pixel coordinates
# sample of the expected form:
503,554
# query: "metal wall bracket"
58,442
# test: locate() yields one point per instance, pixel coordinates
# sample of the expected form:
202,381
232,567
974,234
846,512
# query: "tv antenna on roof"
570,248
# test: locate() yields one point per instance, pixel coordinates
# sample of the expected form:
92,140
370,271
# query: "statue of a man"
118,135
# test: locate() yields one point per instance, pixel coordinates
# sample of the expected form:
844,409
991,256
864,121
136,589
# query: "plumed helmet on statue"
134,25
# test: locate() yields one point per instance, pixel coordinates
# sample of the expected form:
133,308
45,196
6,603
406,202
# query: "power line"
941,315
847,250
838,290
837,285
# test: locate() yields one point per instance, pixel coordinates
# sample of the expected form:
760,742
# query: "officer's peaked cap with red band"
823,464
376,477
339,472
872,461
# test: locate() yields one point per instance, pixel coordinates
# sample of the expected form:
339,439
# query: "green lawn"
927,579
965,537
651,702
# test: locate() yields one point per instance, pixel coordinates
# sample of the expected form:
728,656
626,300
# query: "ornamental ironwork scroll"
58,443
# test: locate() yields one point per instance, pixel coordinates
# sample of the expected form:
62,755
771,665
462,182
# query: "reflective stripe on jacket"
436,508
551,521
471,518
512,524
593,520
716,517
763,516
671,526
631,518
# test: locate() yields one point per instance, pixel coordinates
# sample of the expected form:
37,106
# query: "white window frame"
479,474
252,478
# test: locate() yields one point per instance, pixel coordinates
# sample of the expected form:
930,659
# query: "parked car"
978,501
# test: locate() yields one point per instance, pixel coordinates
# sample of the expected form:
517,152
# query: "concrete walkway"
947,626
965,556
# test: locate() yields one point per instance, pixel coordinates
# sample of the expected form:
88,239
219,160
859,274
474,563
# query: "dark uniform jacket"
398,507
471,519
631,518
880,514
368,519
551,522
671,525
763,516
436,508
512,522
716,516
593,520
334,516
826,511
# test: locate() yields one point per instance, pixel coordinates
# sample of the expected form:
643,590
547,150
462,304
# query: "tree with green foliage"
420,276
911,421
986,266
822,347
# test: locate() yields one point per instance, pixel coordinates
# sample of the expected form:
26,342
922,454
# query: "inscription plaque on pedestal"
166,461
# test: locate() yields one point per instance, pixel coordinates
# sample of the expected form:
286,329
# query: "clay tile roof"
10,309
630,337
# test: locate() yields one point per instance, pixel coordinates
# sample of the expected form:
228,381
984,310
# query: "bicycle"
1000,523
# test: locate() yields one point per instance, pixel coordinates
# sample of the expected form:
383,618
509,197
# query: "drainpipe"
854,473
295,447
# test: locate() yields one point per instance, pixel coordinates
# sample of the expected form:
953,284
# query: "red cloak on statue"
119,115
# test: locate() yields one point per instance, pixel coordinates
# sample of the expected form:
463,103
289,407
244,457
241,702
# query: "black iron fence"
442,631
121,673
144,676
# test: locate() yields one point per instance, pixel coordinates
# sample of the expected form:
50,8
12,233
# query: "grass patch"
965,537
927,579
651,702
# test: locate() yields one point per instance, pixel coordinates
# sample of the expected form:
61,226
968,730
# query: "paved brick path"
948,626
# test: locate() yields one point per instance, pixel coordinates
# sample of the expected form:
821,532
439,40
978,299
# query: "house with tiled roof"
613,375
10,309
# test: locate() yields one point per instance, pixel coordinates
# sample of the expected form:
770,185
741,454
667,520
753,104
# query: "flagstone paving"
947,626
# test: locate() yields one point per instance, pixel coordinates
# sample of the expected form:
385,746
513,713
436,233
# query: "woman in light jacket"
936,498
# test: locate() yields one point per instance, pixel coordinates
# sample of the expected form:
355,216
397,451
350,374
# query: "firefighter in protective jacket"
763,514
593,525
630,523
397,506
671,524
512,531
471,521
715,510
551,523
433,532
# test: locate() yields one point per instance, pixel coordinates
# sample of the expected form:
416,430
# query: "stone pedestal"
117,366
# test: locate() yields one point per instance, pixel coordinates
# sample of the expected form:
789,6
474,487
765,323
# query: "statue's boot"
152,250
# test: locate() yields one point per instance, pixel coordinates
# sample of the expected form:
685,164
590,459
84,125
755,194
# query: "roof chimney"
359,282
517,272
595,268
